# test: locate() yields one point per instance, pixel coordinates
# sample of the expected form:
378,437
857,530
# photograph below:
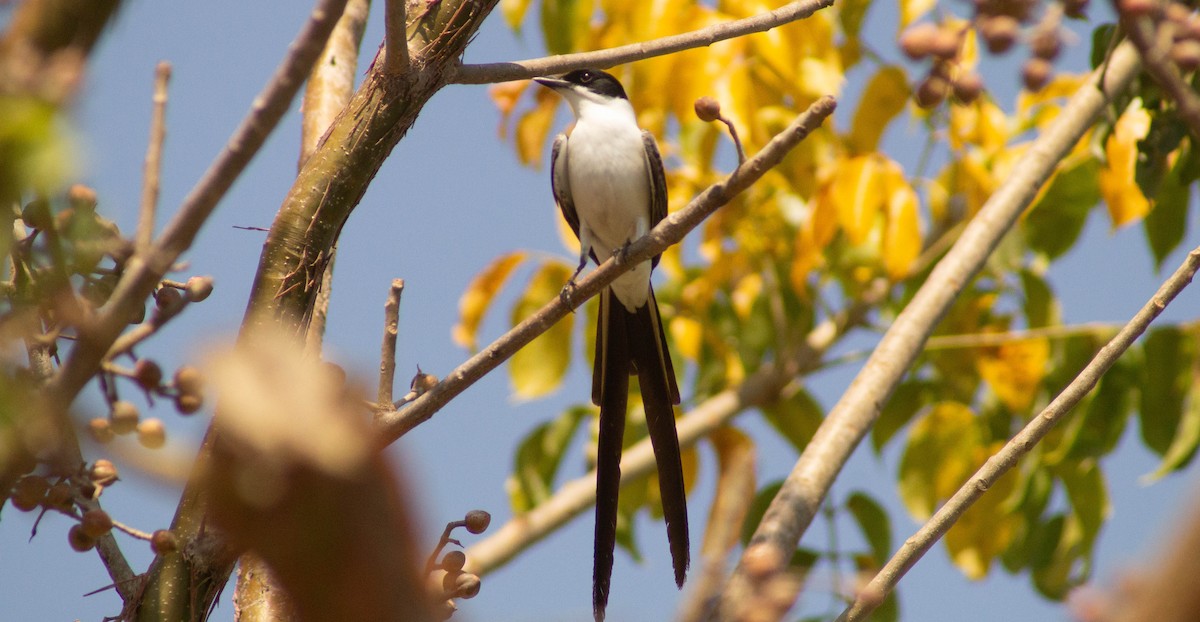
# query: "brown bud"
932,91
29,492
198,288
761,561
103,473
163,541
968,87
124,417
454,561
478,521
59,497
81,197
945,42
188,403
96,523
79,540
466,585
999,32
1036,73
1046,43
707,109
101,430
152,434
168,299
148,374
189,380
1076,9
917,41
36,215
1137,8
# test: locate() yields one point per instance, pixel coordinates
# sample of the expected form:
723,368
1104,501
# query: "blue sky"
451,198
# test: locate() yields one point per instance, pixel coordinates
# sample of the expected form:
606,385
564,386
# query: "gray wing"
658,183
560,183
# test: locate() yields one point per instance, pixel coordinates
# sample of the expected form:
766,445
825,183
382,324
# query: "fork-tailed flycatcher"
607,178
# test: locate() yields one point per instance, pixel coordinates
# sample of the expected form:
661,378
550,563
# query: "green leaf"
1041,307
1102,38
1167,221
1099,427
904,404
539,367
851,14
796,418
940,456
538,457
1088,494
625,536
758,507
1167,375
873,521
1055,221
514,13
1183,447
561,20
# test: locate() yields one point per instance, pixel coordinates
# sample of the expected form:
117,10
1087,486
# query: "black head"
592,80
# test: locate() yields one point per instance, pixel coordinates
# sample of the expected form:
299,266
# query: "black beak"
552,83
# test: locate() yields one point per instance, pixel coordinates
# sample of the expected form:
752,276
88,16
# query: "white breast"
610,186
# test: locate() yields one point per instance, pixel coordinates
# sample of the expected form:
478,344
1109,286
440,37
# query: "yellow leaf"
478,297
858,195
538,368
746,293
885,97
902,238
1118,183
685,334
534,126
514,12
912,10
987,528
505,96
939,457
981,124
1014,370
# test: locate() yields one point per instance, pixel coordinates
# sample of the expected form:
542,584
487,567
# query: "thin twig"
525,69
152,168
395,60
1021,444
387,351
393,425
792,510
144,270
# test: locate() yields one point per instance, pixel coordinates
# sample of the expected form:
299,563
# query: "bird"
607,179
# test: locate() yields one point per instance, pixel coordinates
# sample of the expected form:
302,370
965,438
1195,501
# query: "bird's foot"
565,294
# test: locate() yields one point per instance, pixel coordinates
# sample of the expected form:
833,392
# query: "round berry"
454,561
79,540
96,523
163,541
707,109
478,521
188,380
198,288
152,434
148,374
124,417
103,473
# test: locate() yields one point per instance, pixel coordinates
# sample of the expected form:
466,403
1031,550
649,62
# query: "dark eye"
586,77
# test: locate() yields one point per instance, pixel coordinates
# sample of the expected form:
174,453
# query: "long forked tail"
634,343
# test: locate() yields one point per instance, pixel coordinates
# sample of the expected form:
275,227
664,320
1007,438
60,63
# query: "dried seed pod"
945,42
188,379
198,288
124,417
707,109
917,41
96,523
999,32
163,541
148,374
466,585
29,492
932,91
478,521
1046,43
103,473
968,87
79,540
101,430
59,497
188,403
152,434
1036,73
81,197
454,561
168,299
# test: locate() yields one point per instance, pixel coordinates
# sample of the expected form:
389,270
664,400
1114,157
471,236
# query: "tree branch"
153,165
798,501
393,425
395,42
603,59
915,547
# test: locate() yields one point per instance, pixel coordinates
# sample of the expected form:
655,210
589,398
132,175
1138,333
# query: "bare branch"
153,165
393,425
525,69
387,354
793,509
1004,460
395,42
